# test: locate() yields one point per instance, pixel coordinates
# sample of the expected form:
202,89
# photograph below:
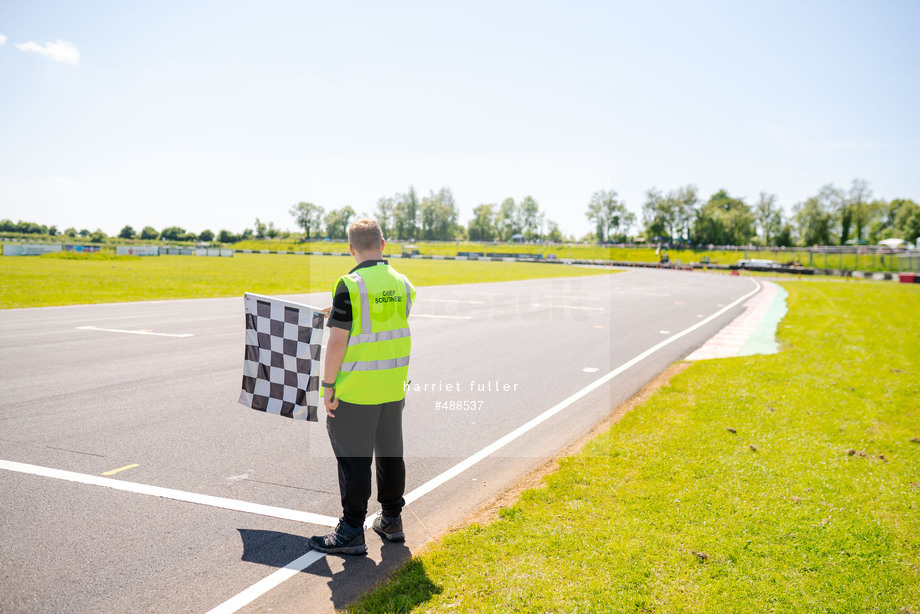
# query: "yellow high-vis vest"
376,363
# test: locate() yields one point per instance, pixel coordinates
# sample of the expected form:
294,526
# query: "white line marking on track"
169,493
133,332
263,586
568,306
268,583
451,300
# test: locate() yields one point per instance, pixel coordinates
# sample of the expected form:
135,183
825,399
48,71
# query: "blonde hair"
364,235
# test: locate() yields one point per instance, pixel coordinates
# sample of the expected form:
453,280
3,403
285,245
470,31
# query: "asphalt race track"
212,498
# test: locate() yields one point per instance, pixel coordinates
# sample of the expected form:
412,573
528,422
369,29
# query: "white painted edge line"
266,584
133,332
169,493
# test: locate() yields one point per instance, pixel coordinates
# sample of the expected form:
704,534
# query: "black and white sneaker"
344,540
389,528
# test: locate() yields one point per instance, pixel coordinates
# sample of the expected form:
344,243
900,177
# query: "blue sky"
210,114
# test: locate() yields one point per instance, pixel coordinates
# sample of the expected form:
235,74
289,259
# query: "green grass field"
66,279
812,504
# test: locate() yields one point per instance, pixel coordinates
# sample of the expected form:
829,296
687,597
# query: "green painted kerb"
763,341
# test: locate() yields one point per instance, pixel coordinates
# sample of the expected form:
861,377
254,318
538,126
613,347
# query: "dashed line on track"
134,332
451,300
581,307
120,469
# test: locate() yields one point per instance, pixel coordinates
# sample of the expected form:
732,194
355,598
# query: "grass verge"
67,279
783,483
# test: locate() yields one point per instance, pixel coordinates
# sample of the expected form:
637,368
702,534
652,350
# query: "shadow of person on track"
271,547
407,584
357,575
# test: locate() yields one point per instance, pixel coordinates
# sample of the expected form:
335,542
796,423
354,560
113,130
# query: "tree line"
407,217
403,217
148,233
830,217
833,216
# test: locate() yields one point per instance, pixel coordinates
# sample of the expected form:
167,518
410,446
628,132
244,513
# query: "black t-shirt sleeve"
340,316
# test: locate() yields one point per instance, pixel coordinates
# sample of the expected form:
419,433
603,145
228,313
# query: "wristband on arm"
332,385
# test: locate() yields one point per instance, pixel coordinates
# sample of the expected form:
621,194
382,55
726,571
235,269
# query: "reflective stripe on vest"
375,365
408,297
365,302
386,335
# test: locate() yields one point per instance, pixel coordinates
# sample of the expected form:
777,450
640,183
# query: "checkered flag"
281,364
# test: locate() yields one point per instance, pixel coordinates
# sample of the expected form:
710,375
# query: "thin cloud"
59,51
2,39
64,181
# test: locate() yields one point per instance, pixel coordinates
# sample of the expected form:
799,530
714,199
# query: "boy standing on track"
364,390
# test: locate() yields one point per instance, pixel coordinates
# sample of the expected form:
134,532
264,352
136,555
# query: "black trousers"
358,433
